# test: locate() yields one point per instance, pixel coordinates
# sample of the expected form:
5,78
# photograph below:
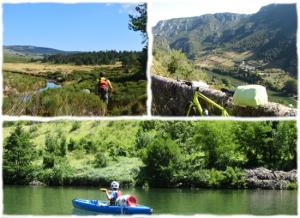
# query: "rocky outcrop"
37,183
267,179
171,98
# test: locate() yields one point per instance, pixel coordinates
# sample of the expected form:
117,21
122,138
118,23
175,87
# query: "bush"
291,86
76,125
71,145
100,159
162,162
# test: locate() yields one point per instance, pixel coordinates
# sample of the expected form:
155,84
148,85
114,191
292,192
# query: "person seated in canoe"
114,193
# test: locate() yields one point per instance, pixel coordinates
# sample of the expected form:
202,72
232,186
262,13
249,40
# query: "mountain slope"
23,52
269,34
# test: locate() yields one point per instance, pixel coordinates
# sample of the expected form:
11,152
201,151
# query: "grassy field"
77,96
43,69
222,59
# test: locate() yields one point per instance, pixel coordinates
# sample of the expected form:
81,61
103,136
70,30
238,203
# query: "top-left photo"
84,59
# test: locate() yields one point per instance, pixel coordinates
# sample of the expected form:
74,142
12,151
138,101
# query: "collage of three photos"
156,108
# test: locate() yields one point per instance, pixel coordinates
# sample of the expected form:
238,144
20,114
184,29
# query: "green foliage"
100,159
291,86
139,22
161,162
292,186
218,143
63,146
71,145
128,98
19,152
76,125
92,58
179,64
210,154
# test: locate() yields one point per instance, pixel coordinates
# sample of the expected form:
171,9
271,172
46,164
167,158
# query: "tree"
291,86
285,146
217,142
139,22
256,142
179,64
18,155
162,161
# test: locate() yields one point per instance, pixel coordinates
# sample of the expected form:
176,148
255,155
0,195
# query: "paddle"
103,189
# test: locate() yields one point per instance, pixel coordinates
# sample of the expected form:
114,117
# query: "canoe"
102,207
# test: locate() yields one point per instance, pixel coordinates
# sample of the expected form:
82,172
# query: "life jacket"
114,201
119,193
103,83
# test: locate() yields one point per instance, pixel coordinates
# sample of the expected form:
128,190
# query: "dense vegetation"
77,96
95,58
146,153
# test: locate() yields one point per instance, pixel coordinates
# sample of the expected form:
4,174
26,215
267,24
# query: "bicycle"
195,104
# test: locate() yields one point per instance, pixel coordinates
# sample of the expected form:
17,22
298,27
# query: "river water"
57,200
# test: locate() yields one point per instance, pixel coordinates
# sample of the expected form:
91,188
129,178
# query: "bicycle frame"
196,104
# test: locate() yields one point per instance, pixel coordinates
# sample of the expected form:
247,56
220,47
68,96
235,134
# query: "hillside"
18,53
268,36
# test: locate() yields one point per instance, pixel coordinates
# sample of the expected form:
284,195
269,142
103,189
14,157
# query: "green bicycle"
197,108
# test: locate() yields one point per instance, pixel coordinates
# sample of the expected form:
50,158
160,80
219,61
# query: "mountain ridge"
270,34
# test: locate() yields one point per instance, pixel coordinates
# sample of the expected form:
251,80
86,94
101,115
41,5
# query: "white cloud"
128,8
167,9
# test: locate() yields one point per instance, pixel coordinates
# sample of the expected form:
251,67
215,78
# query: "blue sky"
70,27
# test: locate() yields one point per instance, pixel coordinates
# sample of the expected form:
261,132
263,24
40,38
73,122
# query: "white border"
149,97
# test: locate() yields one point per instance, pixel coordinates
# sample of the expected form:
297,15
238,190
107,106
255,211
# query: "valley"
227,50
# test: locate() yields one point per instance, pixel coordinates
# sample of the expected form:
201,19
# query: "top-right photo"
237,58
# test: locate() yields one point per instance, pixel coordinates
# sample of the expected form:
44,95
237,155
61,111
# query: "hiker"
103,87
114,193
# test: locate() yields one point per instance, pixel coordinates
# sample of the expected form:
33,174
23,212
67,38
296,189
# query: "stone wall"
171,98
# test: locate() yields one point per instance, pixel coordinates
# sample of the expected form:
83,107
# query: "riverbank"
259,178
154,154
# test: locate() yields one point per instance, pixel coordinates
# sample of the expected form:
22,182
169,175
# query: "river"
57,200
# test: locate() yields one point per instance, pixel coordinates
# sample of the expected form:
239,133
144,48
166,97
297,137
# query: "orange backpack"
103,83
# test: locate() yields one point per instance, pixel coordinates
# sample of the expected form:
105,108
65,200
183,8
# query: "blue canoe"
102,207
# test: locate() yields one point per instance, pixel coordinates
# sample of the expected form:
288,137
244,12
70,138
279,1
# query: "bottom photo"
150,167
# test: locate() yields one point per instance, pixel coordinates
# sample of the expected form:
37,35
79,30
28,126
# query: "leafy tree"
19,152
139,22
162,162
217,142
291,86
256,142
285,146
179,64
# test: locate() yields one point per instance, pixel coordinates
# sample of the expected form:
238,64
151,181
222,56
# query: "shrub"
291,86
71,144
76,125
100,159
162,162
